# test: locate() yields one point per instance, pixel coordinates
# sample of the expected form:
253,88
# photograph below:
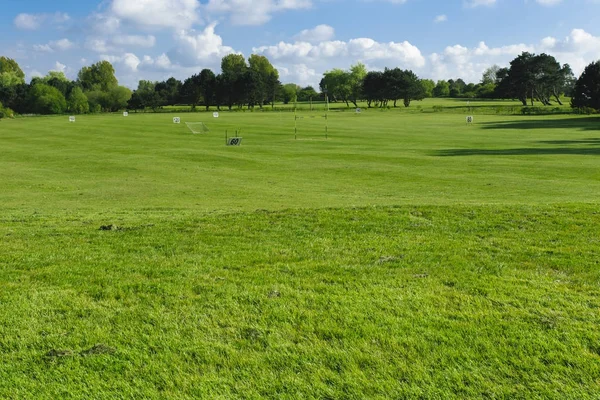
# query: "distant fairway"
407,256
145,161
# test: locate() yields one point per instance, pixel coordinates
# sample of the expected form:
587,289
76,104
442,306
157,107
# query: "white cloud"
35,74
157,13
130,69
104,24
204,48
35,21
134,40
360,49
43,48
27,21
62,44
548,2
304,63
129,60
254,12
578,49
440,18
58,67
98,45
57,45
469,63
319,33
118,42
300,74
477,3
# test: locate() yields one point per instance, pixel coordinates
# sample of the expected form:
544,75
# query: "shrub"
6,112
78,102
47,100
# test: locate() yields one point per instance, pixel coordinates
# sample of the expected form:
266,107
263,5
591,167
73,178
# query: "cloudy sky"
156,39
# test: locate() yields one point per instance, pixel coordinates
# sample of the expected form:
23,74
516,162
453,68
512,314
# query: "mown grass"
425,105
405,257
376,158
378,302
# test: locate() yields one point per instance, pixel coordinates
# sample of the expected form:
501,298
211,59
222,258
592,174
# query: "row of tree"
240,83
255,82
530,78
96,89
533,77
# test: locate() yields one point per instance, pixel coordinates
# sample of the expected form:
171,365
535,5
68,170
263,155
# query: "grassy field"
407,255
440,104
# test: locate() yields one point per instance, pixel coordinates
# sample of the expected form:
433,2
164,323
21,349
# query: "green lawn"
448,104
407,256
112,163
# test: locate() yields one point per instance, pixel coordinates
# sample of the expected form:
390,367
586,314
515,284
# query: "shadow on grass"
586,151
585,147
585,124
590,141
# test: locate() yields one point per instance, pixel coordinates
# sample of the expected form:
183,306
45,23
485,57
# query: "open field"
428,104
376,158
407,256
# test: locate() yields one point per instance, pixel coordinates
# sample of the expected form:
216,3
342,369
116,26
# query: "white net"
197,127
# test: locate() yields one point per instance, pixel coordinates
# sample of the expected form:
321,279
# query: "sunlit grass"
406,256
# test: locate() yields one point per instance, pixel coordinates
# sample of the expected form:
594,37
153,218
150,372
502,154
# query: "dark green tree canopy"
587,88
535,78
8,65
99,76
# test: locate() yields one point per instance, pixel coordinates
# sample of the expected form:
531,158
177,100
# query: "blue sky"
156,39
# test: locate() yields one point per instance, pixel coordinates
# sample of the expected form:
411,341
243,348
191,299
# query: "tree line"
96,89
529,78
255,82
241,83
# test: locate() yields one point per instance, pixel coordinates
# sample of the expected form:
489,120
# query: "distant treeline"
255,82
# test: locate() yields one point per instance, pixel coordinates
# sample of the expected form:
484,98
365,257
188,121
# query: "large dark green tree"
290,93
441,89
428,86
77,102
58,80
337,84
534,78
13,89
411,88
146,96
587,88
457,87
374,88
45,99
191,91
307,93
10,72
169,91
99,76
274,87
208,87
234,80
264,76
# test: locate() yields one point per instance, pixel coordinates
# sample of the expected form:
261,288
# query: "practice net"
197,127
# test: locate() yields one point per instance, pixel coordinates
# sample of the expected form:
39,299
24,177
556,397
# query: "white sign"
234,141
71,119
358,110
125,114
470,119
176,120
215,115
